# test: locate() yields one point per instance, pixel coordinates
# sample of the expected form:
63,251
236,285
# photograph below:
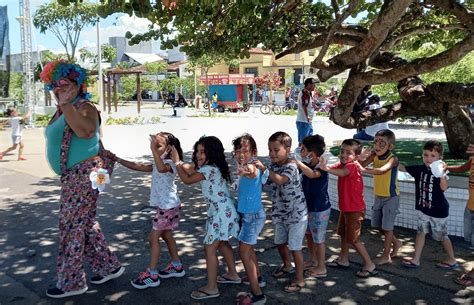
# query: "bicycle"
266,108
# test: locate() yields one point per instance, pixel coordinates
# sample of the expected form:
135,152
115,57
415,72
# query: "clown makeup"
60,83
381,145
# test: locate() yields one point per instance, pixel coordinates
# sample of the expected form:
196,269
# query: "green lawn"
409,153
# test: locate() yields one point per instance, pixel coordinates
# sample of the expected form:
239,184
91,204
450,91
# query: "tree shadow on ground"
29,242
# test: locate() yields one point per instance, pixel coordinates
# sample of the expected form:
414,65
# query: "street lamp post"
99,66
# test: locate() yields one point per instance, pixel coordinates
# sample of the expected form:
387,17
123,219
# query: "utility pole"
26,50
99,66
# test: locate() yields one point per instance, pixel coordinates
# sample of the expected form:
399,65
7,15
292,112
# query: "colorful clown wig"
58,69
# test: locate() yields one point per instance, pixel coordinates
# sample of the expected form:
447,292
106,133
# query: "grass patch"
409,153
289,112
131,120
42,120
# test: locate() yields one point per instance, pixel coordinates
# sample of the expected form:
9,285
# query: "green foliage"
66,21
108,54
131,120
156,67
42,120
16,86
187,85
129,85
4,83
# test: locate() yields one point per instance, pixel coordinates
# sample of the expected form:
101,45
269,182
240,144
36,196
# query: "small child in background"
469,211
315,188
350,188
386,192
289,211
15,121
164,195
432,207
212,172
252,215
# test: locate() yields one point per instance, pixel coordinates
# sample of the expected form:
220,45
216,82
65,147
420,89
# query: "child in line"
350,188
315,189
386,192
252,215
289,211
469,211
164,195
467,279
432,206
212,172
15,121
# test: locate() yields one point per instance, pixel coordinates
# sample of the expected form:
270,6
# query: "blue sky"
115,25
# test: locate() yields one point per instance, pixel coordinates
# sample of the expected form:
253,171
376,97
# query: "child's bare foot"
317,272
309,264
396,246
382,260
22,159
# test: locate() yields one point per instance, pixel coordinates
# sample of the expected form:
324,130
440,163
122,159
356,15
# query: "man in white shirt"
304,117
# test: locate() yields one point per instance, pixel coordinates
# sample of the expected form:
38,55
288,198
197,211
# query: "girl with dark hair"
164,196
212,171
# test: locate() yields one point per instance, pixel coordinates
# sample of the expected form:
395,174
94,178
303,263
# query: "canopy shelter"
114,75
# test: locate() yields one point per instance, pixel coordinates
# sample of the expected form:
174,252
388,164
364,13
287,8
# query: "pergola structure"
114,75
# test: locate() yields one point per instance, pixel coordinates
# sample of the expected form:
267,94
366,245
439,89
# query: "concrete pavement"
28,236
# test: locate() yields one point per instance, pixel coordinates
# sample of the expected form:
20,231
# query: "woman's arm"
136,166
460,168
83,120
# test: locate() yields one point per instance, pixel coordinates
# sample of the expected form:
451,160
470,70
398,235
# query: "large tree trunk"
458,129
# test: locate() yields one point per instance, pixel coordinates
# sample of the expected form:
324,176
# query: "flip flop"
465,280
410,264
203,295
281,272
316,275
225,280
363,273
292,288
447,266
336,264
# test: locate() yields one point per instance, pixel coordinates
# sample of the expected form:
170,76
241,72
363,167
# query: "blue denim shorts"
252,225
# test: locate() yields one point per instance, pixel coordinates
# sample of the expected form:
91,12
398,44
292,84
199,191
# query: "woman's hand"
65,91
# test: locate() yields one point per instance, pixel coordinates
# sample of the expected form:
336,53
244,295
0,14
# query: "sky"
115,25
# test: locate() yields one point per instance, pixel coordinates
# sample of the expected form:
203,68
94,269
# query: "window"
251,70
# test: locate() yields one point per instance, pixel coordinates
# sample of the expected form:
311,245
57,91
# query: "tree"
66,22
368,49
108,54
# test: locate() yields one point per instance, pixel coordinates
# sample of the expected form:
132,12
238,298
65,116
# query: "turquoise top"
80,148
249,198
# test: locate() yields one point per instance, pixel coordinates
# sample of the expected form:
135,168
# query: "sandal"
336,264
465,280
293,287
363,273
281,272
225,280
202,295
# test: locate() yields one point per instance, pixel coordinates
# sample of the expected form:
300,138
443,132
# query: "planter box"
456,195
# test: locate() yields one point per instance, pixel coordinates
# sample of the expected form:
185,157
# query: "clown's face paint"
382,145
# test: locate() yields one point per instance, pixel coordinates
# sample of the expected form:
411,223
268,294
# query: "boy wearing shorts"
350,188
387,194
432,207
315,188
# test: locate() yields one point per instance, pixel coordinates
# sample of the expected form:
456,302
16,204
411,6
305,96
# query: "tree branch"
422,65
453,93
347,12
380,28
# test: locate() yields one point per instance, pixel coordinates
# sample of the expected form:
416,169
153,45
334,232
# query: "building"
16,63
4,52
122,46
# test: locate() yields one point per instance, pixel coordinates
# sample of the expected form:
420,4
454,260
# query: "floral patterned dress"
222,218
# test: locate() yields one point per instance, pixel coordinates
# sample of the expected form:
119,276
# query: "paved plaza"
28,225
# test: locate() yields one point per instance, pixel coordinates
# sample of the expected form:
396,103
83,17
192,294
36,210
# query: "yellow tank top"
386,185
470,201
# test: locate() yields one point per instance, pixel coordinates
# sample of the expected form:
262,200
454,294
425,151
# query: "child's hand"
174,154
361,168
365,154
259,165
242,170
470,149
323,164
